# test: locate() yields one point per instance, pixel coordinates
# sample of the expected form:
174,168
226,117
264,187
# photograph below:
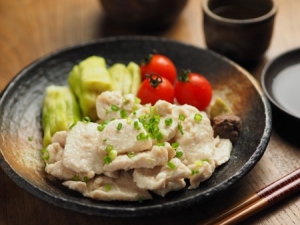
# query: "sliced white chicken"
109,189
157,156
81,153
159,177
124,139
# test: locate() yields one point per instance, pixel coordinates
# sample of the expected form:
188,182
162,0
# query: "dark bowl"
143,14
280,81
20,110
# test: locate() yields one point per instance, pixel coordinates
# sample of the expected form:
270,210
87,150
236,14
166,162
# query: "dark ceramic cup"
239,29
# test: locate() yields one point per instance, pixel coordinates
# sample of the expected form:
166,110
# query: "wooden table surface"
30,29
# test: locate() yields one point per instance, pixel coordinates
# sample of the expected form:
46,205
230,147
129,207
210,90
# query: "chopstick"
258,201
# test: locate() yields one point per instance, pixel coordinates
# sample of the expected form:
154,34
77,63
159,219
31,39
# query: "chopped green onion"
180,128
131,154
119,127
30,138
85,179
179,154
175,145
76,178
198,163
168,121
104,140
86,119
45,154
107,160
134,113
171,165
136,125
123,114
101,127
198,117
113,154
107,187
106,111
109,148
193,172
159,136
114,108
181,117
142,136
160,144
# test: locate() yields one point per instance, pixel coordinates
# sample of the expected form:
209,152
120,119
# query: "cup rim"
270,14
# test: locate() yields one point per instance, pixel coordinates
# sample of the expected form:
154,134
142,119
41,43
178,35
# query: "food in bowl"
127,150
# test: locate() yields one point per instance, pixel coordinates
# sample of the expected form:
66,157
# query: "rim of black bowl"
280,62
141,210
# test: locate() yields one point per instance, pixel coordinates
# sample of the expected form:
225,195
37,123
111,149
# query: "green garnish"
109,148
45,154
123,114
171,165
160,144
119,127
180,128
198,163
159,136
85,179
76,178
142,136
181,117
175,145
198,117
30,138
168,121
193,172
136,125
107,160
86,119
114,108
101,127
113,154
131,154
107,187
179,154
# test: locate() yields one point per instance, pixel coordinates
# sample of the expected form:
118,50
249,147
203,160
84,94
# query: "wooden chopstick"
258,201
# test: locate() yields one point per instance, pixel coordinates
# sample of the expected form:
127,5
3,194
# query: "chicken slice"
108,189
170,186
109,105
195,139
81,153
125,139
59,171
157,156
223,150
159,177
200,171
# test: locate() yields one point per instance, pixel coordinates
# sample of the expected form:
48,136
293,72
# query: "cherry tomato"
193,89
155,87
159,64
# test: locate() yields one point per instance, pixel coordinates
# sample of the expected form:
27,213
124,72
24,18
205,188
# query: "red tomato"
193,89
159,64
154,88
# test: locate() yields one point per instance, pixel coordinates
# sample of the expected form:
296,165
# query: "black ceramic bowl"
280,81
20,110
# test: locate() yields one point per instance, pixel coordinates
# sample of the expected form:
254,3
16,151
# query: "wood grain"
30,29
